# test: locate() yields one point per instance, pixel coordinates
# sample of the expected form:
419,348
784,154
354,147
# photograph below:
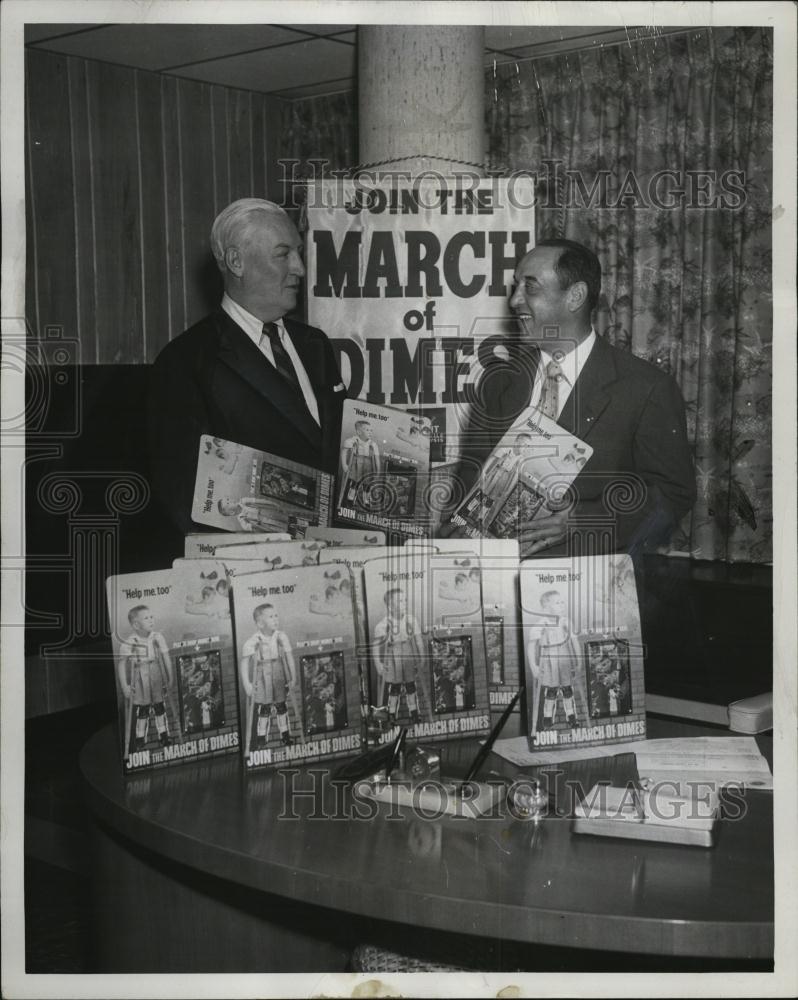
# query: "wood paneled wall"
126,170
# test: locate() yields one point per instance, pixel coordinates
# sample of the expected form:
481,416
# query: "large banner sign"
410,279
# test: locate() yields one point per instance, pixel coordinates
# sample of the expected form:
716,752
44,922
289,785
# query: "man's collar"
248,322
574,361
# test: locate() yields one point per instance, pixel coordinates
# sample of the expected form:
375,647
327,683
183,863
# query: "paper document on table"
733,760
516,750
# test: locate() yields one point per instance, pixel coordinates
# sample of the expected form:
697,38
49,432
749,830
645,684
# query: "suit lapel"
239,353
589,397
311,354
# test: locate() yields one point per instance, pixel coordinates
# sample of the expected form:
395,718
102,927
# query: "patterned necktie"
282,360
550,392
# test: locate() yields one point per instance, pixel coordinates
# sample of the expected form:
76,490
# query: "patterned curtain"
315,129
658,154
686,255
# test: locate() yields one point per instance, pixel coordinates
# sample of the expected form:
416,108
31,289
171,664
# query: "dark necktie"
550,392
282,360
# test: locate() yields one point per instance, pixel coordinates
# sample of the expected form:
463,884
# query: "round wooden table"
206,868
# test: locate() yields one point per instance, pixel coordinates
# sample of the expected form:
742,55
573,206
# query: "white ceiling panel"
323,29
164,46
317,89
347,38
309,62
289,60
37,32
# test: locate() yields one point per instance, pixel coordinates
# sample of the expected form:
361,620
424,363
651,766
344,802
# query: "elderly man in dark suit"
640,479
246,373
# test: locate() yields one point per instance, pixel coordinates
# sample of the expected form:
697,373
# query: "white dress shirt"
253,327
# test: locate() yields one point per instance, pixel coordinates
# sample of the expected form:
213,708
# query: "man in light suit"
640,479
246,373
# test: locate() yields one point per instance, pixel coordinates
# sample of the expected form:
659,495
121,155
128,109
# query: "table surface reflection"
295,833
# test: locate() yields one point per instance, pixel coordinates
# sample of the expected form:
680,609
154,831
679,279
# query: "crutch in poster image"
268,677
502,472
554,662
254,514
146,678
360,461
397,655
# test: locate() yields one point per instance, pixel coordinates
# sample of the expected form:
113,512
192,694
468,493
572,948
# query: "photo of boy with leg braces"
268,677
397,655
146,677
554,661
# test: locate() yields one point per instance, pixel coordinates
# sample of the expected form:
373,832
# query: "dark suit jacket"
640,479
212,379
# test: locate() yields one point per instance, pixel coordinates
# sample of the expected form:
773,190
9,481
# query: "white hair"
232,225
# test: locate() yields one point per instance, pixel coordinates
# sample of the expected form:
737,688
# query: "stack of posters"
427,665
384,469
299,687
345,572
174,664
335,537
204,544
583,651
260,557
242,489
501,618
526,477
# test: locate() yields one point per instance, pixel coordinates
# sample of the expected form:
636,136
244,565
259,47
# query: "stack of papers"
722,760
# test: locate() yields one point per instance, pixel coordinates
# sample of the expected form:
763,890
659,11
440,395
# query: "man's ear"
577,296
233,261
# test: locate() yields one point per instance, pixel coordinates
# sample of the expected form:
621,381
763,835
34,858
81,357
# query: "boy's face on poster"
522,442
144,622
268,620
396,604
555,605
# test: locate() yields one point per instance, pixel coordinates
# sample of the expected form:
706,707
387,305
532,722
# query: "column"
421,94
